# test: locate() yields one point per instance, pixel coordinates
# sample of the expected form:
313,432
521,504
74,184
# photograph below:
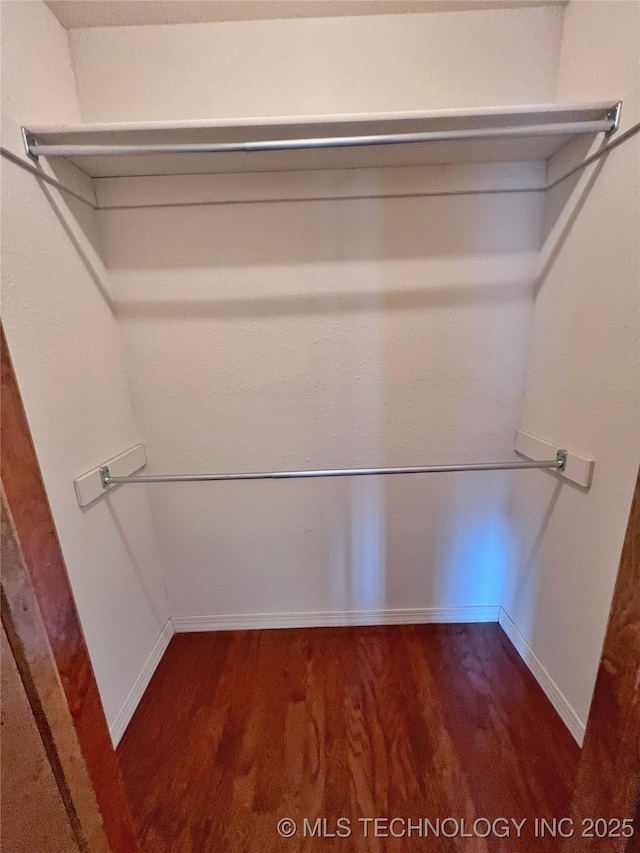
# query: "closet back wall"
326,333
317,66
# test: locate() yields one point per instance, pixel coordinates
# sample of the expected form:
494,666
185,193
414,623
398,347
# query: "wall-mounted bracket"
28,140
96,483
570,466
614,116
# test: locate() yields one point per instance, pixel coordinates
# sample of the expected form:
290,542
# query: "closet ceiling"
77,14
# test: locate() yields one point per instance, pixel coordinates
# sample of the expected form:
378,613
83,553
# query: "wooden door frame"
37,672
38,607
608,780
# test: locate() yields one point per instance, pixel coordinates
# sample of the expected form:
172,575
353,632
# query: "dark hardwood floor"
238,730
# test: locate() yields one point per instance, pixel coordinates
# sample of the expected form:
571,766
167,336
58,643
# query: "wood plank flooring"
238,730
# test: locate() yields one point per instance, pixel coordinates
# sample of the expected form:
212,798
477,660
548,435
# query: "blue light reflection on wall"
367,545
477,553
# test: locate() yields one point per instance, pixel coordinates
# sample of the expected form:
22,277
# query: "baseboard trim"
339,618
553,693
127,709
335,618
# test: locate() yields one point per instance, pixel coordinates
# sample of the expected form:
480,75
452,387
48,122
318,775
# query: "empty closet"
328,319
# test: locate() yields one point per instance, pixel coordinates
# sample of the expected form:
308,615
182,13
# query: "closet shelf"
495,134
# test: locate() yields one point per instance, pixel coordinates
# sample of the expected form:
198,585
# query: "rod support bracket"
561,459
28,139
104,476
614,116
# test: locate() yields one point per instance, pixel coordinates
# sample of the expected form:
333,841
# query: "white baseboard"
249,621
128,707
327,619
337,618
559,701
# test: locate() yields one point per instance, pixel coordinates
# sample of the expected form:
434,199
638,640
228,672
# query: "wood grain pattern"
34,816
36,534
240,729
608,782
26,637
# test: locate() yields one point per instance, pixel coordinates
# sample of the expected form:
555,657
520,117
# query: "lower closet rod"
558,463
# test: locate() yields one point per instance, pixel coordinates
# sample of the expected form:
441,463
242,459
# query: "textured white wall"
324,334
42,90
318,65
583,381
328,334
66,348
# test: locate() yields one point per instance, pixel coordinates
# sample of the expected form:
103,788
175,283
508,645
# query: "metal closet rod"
558,464
37,149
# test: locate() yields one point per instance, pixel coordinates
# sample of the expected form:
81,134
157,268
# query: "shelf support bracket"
28,139
614,116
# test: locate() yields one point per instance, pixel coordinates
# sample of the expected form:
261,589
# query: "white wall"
67,353
318,65
329,333
583,383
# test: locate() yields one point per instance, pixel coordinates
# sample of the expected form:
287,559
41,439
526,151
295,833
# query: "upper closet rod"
36,149
107,480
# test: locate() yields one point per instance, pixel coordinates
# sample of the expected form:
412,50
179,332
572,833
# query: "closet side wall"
65,344
583,380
